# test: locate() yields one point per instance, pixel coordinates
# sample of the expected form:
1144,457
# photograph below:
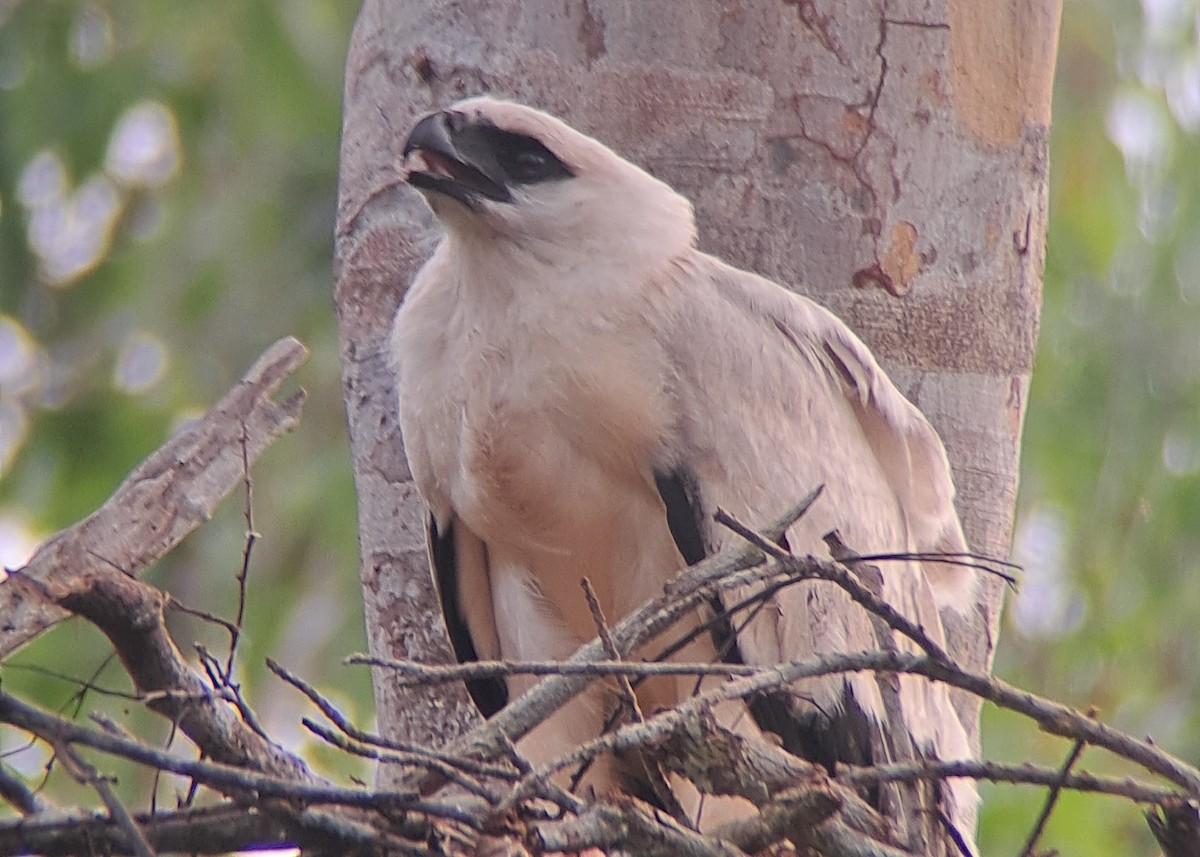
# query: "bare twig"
468,766
451,773
160,502
16,794
654,775
414,672
175,604
767,546
610,648
85,773
1024,774
1051,716
223,777
868,599
632,827
223,686
88,684
211,830
1052,798
964,559
243,574
130,613
789,814
81,684
810,568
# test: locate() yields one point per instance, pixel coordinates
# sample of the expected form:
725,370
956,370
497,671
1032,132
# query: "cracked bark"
877,156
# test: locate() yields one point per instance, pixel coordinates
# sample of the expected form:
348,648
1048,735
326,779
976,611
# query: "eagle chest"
545,426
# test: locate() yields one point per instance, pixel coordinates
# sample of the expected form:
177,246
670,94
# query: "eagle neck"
499,269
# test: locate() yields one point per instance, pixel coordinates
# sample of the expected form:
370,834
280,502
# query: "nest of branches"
476,795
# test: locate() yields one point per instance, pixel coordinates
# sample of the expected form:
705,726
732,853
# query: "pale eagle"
580,388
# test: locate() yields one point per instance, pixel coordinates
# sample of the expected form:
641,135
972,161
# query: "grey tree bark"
888,158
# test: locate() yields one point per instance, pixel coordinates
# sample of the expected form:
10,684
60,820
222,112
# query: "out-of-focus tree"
167,176
1109,515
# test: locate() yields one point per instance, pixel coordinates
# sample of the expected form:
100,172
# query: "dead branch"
1052,717
169,494
85,773
212,830
19,796
222,777
1176,825
278,799
631,826
1023,774
415,672
412,754
130,613
1052,799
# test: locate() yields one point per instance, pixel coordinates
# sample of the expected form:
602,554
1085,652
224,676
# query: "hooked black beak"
438,156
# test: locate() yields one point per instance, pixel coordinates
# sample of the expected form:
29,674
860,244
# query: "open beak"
433,162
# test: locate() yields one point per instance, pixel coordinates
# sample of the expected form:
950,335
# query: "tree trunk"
888,159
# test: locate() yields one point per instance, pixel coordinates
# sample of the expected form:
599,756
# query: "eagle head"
490,168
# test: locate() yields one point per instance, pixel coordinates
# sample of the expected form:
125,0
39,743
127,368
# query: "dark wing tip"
678,492
489,694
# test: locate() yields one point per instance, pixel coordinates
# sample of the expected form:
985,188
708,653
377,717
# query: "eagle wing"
459,561
774,396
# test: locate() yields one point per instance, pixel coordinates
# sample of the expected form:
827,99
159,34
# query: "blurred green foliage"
213,230
208,136
1109,510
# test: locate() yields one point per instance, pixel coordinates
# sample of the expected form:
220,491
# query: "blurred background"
167,188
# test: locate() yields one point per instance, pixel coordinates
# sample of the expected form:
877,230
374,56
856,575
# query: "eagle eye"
525,160
529,164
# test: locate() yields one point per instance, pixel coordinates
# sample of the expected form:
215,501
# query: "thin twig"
175,604
1052,798
17,794
963,559
451,773
227,690
1053,717
224,777
468,766
812,568
418,673
956,835
1023,774
610,649
776,530
654,775
80,684
251,537
78,698
764,544
868,599
85,773
546,789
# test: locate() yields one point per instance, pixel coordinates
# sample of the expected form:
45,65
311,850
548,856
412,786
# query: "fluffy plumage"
580,388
